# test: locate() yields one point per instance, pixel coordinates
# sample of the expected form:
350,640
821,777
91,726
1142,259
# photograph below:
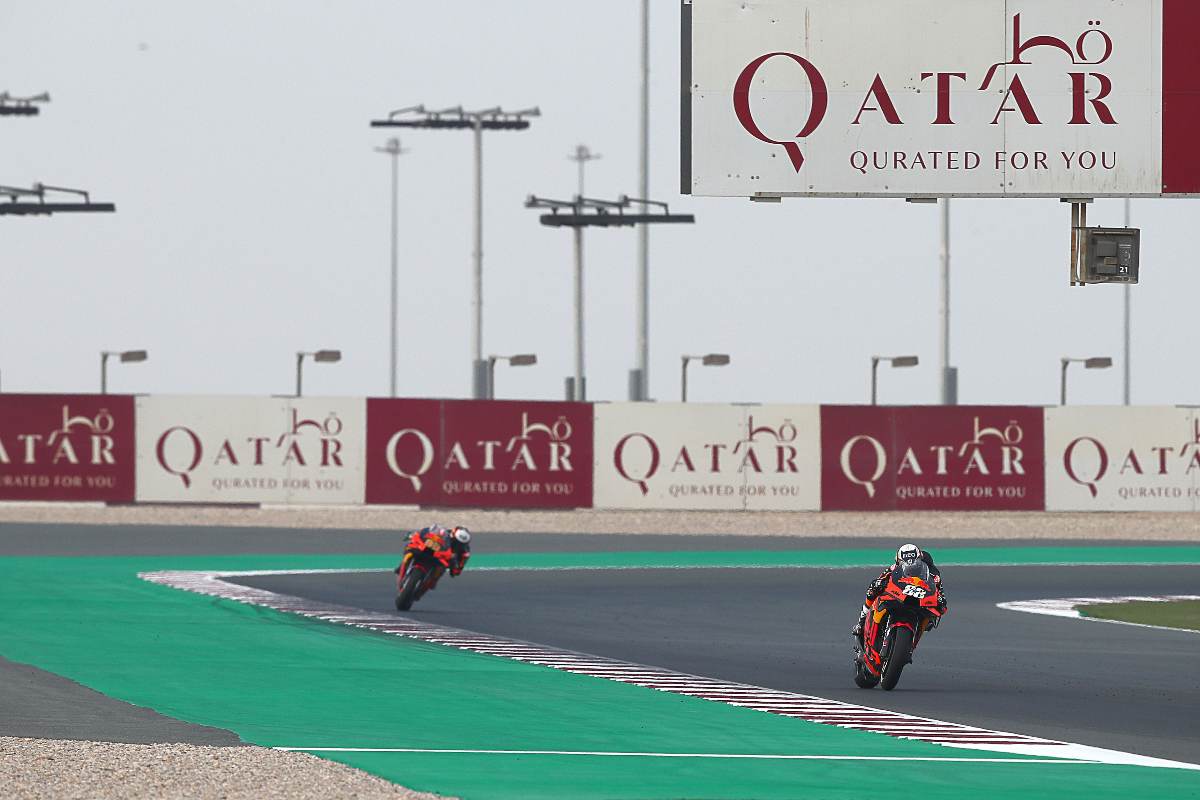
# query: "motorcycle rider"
451,549
907,554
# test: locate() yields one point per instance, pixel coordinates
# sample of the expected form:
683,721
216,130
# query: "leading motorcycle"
896,619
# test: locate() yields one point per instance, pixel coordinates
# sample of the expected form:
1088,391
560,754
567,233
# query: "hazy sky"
253,221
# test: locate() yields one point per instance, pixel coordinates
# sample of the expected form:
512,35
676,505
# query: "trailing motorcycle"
906,608
417,572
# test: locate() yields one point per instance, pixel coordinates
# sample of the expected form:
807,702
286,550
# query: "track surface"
1110,686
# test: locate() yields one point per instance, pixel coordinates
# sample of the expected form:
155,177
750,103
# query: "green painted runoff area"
282,680
1175,614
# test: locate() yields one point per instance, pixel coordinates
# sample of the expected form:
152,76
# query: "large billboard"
1122,459
878,98
696,456
67,447
250,450
932,458
483,454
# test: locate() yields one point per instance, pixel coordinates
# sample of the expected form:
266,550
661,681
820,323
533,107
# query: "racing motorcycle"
906,608
416,574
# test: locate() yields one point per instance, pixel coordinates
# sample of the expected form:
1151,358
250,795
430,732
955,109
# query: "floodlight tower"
581,213
21,106
394,150
488,119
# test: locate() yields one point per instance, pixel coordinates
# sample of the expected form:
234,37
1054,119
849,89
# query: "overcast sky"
253,221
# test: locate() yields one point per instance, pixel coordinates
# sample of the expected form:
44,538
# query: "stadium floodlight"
457,118
21,106
710,360
43,199
1098,362
319,356
125,357
520,360
896,361
585,212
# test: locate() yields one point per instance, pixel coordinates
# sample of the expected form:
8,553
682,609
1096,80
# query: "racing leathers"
447,551
881,582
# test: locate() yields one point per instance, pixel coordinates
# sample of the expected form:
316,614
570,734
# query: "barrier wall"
67,447
250,450
529,454
693,456
1122,459
934,458
498,454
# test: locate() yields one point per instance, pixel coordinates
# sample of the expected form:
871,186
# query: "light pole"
583,213
522,360
639,376
319,356
1128,360
896,361
488,119
126,357
1102,362
393,149
710,360
949,375
581,156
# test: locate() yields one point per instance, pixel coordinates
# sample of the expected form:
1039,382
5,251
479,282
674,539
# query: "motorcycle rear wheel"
899,654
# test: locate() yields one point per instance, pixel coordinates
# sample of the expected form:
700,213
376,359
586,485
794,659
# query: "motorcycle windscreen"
917,569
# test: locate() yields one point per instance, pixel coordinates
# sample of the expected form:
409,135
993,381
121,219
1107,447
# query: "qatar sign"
305,450
932,458
982,98
1122,459
484,454
701,457
67,447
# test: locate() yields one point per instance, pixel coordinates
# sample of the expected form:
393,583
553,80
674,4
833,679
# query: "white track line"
771,701
1067,607
757,756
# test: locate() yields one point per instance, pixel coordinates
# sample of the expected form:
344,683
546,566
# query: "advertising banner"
696,456
985,98
67,447
250,450
1122,459
936,458
486,454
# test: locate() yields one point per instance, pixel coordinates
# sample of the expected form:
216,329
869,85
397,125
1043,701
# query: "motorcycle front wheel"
862,678
408,589
899,654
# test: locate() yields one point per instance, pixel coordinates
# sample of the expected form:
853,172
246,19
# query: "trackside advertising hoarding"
250,450
485,454
67,447
935,458
875,98
696,456
1122,459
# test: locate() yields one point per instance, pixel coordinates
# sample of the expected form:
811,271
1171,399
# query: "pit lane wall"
528,454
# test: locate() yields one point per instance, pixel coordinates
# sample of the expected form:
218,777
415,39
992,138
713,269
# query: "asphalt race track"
1113,686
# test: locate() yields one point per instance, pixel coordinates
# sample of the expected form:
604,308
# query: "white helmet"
462,535
908,554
